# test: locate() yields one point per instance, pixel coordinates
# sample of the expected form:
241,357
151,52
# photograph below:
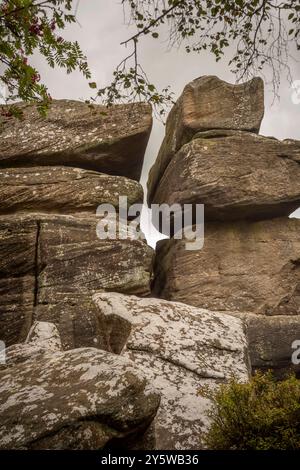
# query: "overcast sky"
100,32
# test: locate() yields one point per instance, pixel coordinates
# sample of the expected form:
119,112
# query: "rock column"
249,185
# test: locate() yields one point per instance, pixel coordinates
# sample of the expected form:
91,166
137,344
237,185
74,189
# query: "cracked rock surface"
182,350
205,104
63,190
111,140
236,175
78,399
50,267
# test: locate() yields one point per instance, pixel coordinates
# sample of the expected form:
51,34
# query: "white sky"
101,30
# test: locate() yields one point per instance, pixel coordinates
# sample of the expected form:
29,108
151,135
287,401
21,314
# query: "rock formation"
246,267
73,399
208,103
52,260
237,175
93,361
248,184
182,350
110,140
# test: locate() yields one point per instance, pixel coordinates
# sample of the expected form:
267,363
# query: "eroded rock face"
51,265
236,175
247,267
62,190
80,399
182,350
208,103
17,278
111,140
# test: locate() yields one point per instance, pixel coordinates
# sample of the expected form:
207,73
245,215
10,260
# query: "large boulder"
272,342
62,190
111,140
247,267
236,175
80,399
208,103
51,265
182,350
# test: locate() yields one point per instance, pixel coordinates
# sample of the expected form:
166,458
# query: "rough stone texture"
80,399
270,341
17,277
51,265
43,337
181,349
62,190
247,267
208,103
111,140
236,175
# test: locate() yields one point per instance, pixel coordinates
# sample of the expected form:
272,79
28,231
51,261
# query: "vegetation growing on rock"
259,415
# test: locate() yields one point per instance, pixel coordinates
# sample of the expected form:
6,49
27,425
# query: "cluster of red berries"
35,77
36,28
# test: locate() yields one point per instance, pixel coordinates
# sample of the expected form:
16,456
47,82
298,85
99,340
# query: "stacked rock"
249,185
138,372
54,172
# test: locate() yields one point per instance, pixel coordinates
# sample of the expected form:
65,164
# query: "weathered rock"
51,265
247,267
17,277
80,399
208,103
111,140
43,337
62,190
181,349
236,175
271,343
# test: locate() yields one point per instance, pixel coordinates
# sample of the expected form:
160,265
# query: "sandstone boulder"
236,175
182,350
272,343
208,103
111,140
62,190
80,399
51,265
247,267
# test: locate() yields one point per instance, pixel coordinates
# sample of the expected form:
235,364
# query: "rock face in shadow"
17,278
111,140
80,399
62,190
246,267
208,103
236,175
50,267
273,343
182,350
